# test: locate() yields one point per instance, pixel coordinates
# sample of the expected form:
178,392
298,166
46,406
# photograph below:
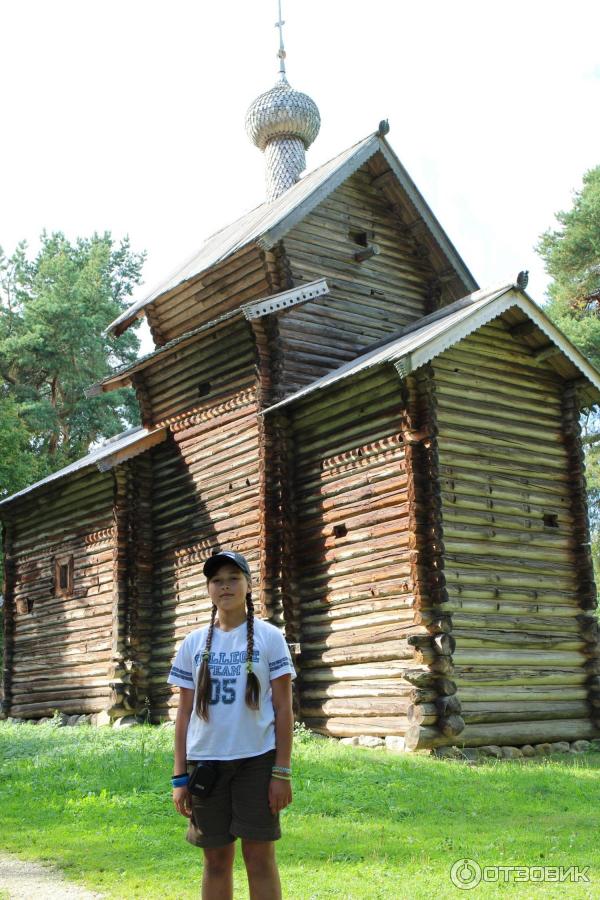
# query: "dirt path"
25,880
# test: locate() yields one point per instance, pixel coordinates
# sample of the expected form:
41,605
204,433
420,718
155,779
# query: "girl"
235,708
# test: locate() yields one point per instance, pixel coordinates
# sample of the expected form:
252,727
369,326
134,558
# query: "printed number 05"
222,690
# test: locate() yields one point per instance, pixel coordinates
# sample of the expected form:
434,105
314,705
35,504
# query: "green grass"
364,825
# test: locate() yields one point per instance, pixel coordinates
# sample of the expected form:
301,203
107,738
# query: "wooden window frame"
59,563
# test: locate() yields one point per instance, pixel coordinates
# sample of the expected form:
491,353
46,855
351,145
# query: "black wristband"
183,775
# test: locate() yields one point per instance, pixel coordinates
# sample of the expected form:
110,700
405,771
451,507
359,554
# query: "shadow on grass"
363,824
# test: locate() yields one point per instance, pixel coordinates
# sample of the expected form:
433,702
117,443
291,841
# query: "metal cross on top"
281,53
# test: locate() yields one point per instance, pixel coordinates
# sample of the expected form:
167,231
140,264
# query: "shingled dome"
283,123
282,112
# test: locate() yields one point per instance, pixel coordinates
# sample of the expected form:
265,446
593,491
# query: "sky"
128,115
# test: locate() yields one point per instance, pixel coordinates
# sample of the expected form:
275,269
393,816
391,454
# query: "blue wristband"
180,781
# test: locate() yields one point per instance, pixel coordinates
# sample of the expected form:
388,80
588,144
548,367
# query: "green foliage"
572,252
53,310
364,825
571,255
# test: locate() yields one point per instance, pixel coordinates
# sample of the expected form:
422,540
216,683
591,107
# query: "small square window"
63,576
550,520
359,237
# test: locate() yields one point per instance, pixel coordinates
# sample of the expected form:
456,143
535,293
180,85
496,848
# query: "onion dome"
282,112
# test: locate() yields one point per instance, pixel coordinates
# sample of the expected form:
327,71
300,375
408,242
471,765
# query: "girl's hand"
182,800
280,795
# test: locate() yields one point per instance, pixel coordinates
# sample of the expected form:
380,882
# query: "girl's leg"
261,867
217,878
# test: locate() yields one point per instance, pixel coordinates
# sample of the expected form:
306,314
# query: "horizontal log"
542,658
476,675
444,644
424,678
365,707
451,725
379,727
372,688
480,693
519,640
502,734
390,650
523,711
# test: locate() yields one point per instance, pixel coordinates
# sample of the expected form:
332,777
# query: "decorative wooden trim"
198,414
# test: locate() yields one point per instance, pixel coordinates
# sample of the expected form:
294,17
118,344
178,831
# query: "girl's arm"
280,792
181,796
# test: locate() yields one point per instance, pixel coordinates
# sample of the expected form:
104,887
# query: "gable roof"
271,305
269,222
425,339
111,453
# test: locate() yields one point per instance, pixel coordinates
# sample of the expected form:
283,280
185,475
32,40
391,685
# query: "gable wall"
244,277
522,655
58,655
369,300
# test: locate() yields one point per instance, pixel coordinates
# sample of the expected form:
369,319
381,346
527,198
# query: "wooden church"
397,453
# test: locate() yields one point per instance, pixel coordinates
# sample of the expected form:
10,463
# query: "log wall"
202,374
240,279
206,493
60,648
369,300
354,584
526,653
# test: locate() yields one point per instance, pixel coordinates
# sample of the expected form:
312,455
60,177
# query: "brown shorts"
237,806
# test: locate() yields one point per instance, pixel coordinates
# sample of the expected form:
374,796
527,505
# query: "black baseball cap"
218,559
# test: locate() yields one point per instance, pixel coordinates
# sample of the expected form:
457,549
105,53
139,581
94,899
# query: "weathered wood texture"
240,279
206,494
368,301
517,573
202,375
60,648
354,588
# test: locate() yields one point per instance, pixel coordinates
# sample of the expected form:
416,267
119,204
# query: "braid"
204,680
252,683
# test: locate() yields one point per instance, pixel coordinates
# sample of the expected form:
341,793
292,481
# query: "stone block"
491,750
349,741
128,722
368,740
542,749
394,743
100,718
561,747
528,750
512,753
581,746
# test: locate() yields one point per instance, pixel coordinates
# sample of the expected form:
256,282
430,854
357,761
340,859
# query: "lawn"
364,825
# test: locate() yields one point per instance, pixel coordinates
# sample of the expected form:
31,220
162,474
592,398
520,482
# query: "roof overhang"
270,222
431,336
112,453
272,305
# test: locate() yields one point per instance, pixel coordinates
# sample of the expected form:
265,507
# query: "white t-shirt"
233,730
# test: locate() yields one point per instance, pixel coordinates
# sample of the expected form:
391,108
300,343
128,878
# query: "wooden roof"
268,223
111,453
428,337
